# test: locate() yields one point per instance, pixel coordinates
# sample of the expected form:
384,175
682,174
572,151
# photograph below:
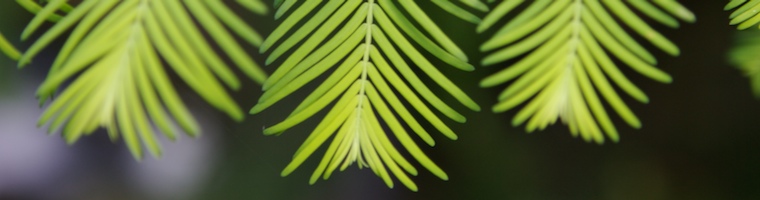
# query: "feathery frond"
566,46
745,54
366,43
114,56
745,13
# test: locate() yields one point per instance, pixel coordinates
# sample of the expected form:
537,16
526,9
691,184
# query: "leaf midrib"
365,65
571,61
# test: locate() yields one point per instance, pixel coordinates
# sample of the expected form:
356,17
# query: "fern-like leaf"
114,56
366,42
745,13
566,46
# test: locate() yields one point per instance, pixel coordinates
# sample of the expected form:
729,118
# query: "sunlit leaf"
362,47
115,57
745,13
564,55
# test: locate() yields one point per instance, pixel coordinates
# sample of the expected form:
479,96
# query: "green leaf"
563,63
8,49
114,59
744,55
745,13
365,46
461,12
33,7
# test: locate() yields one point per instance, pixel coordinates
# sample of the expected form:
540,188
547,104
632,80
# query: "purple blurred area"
35,165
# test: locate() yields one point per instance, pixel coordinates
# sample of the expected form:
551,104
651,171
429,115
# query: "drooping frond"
8,49
745,54
366,44
745,14
114,60
568,48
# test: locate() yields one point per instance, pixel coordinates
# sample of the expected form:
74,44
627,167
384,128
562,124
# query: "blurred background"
700,139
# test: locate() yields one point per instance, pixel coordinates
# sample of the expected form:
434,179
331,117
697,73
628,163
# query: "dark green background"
699,138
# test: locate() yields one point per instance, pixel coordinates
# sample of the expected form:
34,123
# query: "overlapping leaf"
114,61
745,13
33,7
461,12
566,51
366,44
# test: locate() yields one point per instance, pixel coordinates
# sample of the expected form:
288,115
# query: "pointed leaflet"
565,47
365,45
8,49
33,7
462,12
50,15
117,48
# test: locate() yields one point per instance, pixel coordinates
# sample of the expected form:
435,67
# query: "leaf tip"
269,131
488,82
475,107
481,28
285,172
256,109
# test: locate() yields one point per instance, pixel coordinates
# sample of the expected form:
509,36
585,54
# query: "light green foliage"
745,54
366,43
8,49
566,46
745,13
113,58
33,7
460,12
